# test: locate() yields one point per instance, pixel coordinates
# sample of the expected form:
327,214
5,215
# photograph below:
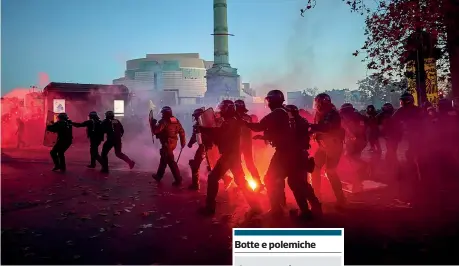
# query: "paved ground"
84,217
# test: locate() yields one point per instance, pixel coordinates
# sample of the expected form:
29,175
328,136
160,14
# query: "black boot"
194,186
207,210
177,183
157,177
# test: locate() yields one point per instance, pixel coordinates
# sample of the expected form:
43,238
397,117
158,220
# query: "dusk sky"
88,41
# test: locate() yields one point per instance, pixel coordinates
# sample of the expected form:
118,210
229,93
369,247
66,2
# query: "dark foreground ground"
84,217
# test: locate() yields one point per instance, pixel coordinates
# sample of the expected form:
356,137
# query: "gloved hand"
258,137
190,145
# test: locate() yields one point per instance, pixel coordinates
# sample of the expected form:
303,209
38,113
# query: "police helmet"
371,108
109,115
275,97
227,108
166,111
293,109
445,105
63,116
197,112
387,107
240,106
321,101
347,107
406,99
93,115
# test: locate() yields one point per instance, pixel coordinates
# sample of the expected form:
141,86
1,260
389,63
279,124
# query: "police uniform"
355,128
390,132
63,128
287,160
373,129
200,154
95,135
330,136
167,130
115,131
246,142
410,120
227,138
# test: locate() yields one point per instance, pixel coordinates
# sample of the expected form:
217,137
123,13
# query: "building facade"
182,74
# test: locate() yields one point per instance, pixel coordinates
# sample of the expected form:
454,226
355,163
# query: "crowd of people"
290,131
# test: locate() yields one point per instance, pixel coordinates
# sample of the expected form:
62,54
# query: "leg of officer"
119,153
221,167
333,158
108,145
162,164
320,159
54,155
248,158
170,159
195,164
275,183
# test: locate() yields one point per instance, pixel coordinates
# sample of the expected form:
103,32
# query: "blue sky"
87,41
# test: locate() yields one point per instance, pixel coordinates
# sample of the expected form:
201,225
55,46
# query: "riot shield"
208,119
150,121
50,138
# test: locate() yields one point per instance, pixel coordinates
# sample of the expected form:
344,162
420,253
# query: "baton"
179,155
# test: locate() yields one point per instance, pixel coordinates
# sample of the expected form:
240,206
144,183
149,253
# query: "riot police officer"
280,130
356,141
95,135
63,128
246,143
390,132
115,131
227,138
204,144
373,129
410,120
330,136
168,130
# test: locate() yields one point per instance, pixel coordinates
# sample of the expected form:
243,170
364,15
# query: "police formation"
285,128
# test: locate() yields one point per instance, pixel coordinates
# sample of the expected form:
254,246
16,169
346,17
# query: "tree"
375,90
392,22
311,91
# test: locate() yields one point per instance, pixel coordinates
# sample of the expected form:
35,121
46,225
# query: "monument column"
222,79
221,55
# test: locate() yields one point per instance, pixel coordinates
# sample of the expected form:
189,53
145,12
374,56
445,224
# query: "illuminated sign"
430,68
118,107
58,105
